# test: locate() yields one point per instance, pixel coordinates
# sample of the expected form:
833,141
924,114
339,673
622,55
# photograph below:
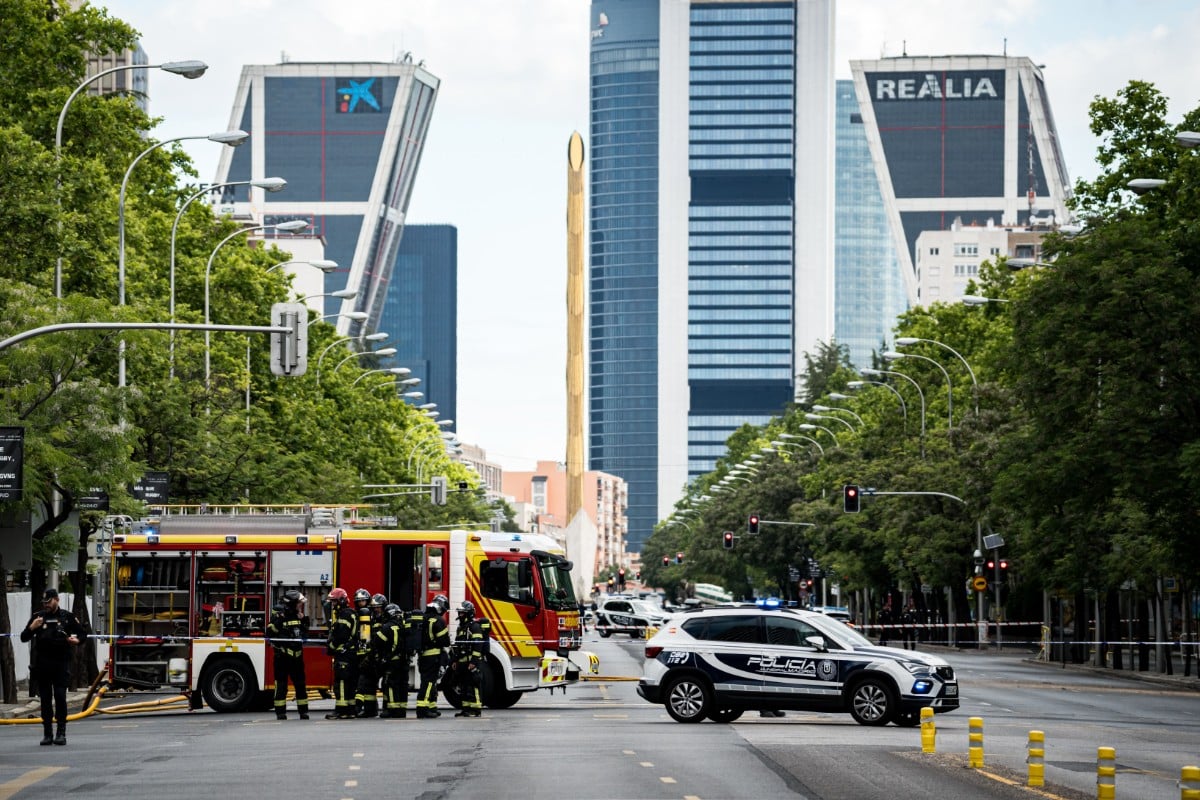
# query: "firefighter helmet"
378,601
338,596
440,603
292,598
467,610
393,611
361,598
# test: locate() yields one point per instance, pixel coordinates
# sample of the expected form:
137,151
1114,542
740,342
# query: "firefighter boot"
61,736
304,713
368,709
47,737
280,715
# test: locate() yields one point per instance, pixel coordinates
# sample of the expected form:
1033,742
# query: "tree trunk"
8,662
84,669
1112,625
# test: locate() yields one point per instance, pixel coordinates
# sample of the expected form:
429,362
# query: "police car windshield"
560,594
837,630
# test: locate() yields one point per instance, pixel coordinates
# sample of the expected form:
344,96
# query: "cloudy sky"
514,87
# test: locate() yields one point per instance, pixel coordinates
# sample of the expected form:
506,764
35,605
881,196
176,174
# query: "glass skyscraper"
421,314
869,288
711,229
960,137
348,139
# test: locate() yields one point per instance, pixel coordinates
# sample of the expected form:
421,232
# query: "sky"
514,83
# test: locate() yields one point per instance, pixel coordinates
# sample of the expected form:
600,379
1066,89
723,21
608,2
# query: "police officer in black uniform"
468,661
54,632
343,647
392,657
435,639
287,632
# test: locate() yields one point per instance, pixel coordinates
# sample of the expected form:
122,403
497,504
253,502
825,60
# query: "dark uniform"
391,658
342,646
435,639
287,632
367,687
468,661
53,630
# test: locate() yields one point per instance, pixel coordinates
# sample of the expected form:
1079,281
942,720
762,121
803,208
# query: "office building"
420,314
868,287
711,230
348,138
968,137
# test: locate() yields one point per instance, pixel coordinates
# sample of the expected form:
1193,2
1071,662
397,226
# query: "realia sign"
937,86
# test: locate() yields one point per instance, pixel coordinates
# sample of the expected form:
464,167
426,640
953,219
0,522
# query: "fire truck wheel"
495,695
228,685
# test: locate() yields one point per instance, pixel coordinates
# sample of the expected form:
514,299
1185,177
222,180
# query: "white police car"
716,663
623,614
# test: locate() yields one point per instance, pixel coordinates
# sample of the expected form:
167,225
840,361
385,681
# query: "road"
599,740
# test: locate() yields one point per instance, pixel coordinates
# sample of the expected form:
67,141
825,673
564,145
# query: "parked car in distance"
616,614
716,663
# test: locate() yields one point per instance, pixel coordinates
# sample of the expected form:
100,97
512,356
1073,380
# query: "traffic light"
621,577
610,581
437,490
666,561
637,575
679,558
728,539
289,351
991,563
752,525
850,498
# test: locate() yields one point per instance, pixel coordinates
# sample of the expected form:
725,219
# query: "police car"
716,663
623,614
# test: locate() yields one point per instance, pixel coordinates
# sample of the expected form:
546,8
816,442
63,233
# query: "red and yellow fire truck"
190,592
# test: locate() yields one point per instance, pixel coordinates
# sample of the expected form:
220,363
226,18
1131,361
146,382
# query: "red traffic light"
728,540
1004,563
679,558
666,561
850,498
752,525
991,564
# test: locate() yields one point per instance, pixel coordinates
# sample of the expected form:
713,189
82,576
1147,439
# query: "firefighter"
54,632
365,702
468,661
341,645
391,657
287,632
435,639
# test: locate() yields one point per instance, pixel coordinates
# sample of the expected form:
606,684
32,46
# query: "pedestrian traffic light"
752,525
850,498
666,561
728,539
679,558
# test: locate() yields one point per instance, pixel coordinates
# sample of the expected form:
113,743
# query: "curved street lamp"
892,355
373,337
798,446
392,370
322,264
291,226
977,300
811,417
270,184
839,408
868,372
890,388
808,426
188,69
905,341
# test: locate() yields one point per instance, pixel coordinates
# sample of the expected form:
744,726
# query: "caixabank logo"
358,97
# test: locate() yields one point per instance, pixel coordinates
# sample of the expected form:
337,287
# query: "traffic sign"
979,583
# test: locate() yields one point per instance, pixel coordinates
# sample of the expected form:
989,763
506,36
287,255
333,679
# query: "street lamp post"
231,138
392,370
322,264
868,372
814,417
808,426
893,355
839,408
291,226
890,388
977,300
270,184
905,341
373,337
798,446
188,69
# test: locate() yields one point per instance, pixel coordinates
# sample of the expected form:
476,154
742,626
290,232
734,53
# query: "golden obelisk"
574,325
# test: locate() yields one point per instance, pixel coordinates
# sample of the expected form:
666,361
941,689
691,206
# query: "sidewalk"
28,707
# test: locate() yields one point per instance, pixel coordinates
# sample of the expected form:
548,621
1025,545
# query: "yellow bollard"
1036,746
928,731
1106,773
1189,783
975,742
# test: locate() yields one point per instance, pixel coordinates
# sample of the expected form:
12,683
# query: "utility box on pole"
289,351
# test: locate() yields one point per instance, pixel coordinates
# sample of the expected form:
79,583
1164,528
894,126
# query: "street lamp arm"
956,354
828,416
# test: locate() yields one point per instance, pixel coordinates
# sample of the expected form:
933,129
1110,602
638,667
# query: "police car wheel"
724,714
688,699
604,633
871,702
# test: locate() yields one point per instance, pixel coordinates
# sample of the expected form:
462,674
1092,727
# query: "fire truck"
190,591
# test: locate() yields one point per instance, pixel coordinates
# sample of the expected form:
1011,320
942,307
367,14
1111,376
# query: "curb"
32,709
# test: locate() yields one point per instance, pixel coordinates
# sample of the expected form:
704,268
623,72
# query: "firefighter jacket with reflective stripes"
468,643
364,627
341,633
389,644
288,631
434,635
